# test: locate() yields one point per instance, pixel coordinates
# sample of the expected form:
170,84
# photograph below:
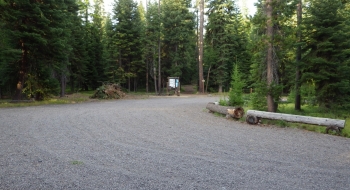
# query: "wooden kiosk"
173,84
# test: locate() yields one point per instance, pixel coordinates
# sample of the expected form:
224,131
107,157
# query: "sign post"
174,83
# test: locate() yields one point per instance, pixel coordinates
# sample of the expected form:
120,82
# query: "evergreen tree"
79,57
95,46
8,56
225,33
27,27
152,32
110,52
327,48
237,84
128,34
272,37
179,40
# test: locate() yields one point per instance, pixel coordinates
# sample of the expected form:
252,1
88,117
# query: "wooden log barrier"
253,117
234,112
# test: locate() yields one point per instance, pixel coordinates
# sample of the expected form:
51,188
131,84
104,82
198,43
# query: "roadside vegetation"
286,106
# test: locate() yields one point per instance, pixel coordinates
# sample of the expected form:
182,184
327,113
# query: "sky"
248,4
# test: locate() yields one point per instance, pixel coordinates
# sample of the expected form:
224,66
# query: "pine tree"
272,38
79,56
179,39
27,28
128,39
8,56
236,90
225,33
152,32
327,61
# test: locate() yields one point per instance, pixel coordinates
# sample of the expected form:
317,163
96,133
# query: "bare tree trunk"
159,68
129,84
147,75
63,84
200,56
155,73
297,105
135,84
72,87
269,59
220,88
21,74
206,88
147,58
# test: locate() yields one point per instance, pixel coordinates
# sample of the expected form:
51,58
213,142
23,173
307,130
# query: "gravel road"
161,143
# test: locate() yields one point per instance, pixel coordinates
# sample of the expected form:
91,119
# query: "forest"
295,48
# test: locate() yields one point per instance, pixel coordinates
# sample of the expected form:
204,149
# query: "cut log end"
252,119
236,113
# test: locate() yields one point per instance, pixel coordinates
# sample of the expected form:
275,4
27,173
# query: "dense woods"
299,48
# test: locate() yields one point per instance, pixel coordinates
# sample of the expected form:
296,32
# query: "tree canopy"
45,45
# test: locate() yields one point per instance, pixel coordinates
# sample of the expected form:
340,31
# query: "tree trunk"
63,85
269,59
155,74
72,87
147,74
200,53
21,74
159,68
220,88
297,118
297,105
129,84
206,88
235,112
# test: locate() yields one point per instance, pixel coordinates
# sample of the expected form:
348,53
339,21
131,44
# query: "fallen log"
253,117
234,112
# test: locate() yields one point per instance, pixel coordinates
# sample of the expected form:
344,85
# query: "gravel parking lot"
161,143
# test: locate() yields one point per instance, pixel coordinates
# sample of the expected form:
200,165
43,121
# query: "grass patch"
80,97
77,162
69,99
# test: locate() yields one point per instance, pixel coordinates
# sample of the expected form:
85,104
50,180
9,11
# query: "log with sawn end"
253,115
234,112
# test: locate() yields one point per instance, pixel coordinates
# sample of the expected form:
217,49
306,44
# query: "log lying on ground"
235,112
253,118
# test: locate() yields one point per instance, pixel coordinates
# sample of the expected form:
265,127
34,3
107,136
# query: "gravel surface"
161,143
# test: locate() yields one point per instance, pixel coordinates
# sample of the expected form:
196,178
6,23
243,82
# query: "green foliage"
236,93
226,40
223,101
178,40
127,38
40,32
327,52
281,67
258,102
307,92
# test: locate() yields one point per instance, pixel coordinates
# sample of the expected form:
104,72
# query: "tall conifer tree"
327,61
